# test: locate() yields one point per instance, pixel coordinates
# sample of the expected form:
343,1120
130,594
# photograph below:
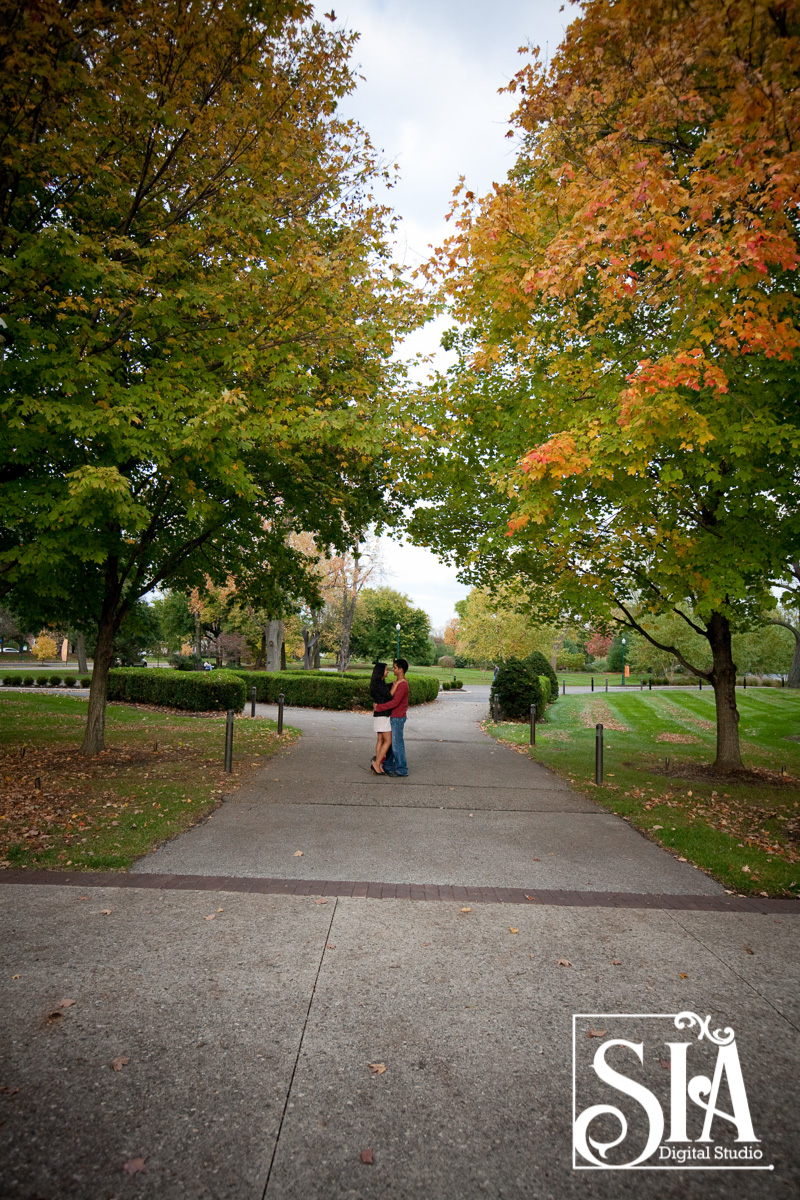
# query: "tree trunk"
274,641
348,612
94,737
283,655
80,650
723,679
197,638
793,680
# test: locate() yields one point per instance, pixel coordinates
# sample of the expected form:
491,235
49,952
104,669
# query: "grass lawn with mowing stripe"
162,772
743,830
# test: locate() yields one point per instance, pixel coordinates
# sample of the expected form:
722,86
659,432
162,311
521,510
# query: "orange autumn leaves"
654,201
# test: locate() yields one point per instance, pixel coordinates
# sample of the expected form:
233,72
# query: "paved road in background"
248,1021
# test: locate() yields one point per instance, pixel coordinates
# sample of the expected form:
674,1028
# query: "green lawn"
742,830
162,772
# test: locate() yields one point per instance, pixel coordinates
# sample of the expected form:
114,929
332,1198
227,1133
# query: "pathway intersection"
445,927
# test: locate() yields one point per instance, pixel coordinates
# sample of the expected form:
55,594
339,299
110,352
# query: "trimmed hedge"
539,665
517,688
193,691
323,689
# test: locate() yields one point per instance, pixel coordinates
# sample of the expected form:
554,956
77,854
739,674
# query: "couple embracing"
389,718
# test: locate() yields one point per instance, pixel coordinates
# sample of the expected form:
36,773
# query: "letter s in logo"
628,1087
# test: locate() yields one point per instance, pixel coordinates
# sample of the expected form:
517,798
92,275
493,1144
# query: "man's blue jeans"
395,761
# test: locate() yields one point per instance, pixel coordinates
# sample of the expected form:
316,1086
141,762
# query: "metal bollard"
641,686
591,681
533,724
744,682
280,712
252,702
564,687
229,719
700,685
606,683
598,753
496,709
650,685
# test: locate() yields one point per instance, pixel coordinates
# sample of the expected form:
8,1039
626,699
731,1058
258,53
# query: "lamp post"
623,662
397,630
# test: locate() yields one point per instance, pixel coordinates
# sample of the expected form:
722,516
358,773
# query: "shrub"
447,661
446,685
199,691
187,662
600,665
55,680
462,662
42,681
85,681
28,680
11,680
323,689
567,661
539,665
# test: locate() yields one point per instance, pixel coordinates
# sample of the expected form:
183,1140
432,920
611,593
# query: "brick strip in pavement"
405,891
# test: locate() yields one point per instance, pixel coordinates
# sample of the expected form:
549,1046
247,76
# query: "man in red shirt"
395,761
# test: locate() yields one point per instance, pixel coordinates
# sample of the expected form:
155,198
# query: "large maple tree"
621,431
202,304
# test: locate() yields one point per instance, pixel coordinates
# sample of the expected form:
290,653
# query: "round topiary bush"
10,680
539,665
42,681
516,687
447,661
86,681
55,680
28,680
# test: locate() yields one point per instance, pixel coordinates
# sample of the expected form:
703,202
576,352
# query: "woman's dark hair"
379,690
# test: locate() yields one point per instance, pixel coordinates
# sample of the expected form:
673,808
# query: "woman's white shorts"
381,725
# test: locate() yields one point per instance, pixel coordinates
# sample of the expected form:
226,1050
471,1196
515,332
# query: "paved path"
470,813
248,1036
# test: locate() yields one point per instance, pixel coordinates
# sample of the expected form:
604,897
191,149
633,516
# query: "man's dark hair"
402,663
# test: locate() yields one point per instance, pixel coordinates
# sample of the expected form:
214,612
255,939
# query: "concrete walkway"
248,1021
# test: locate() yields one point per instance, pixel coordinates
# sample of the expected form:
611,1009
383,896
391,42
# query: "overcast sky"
430,102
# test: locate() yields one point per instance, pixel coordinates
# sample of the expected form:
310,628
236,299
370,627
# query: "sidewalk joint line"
299,1050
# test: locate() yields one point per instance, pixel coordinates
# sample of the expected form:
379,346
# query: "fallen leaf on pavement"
66,1004
16,977
321,901
331,946
118,1063
564,962
366,1157
666,1064
683,976
511,929
212,917
134,1165
466,910
377,1068
597,1033
220,910
747,950
615,962
298,854
105,912
9,1091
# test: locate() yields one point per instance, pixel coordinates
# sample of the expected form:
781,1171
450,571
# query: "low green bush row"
452,685
17,679
192,691
323,689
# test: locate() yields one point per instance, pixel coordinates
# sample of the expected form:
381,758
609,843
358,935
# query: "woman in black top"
380,692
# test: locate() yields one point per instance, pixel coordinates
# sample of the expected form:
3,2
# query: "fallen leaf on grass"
597,1033
66,1003
564,962
466,910
321,901
377,1068
118,1063
511,929
134,1165
298,854
366,1157
746,868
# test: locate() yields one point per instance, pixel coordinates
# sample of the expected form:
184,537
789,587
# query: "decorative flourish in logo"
720,1037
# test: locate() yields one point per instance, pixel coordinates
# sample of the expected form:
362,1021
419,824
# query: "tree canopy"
203,308
621,432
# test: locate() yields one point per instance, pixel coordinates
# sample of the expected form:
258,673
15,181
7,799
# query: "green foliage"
55,680
571,661
447,660
539,665
86,681
175,620
517,688
186,662
374,635
28,680
11,680
323,689
200,691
